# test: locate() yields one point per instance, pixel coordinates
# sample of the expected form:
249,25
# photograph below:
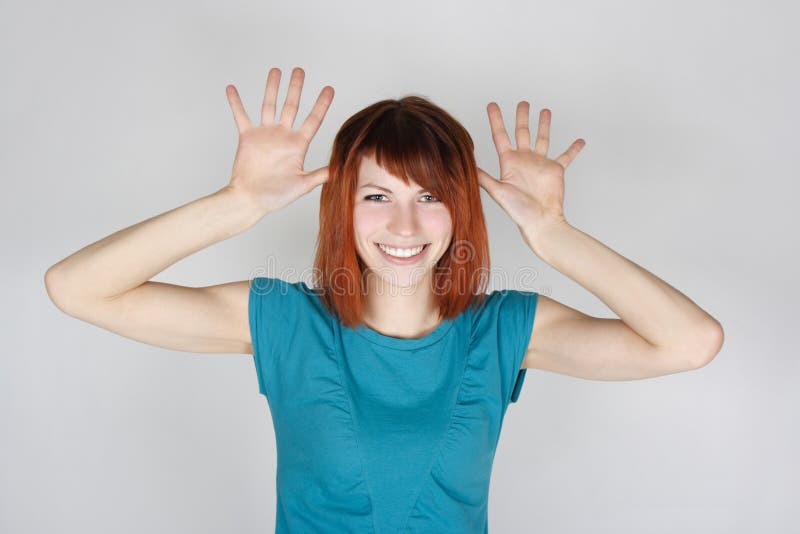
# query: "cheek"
442,224
365,222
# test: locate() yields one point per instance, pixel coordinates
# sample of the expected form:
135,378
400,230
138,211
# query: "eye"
372,197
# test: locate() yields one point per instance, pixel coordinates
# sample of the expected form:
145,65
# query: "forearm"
655,310
133,255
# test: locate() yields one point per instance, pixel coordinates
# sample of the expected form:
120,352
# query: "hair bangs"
410,151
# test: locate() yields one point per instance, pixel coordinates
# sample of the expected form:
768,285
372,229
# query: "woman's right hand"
268,168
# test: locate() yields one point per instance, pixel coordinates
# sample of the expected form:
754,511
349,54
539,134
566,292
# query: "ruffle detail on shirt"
327,491
455,496
320,482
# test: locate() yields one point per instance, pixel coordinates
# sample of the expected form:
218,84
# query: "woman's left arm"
677,331
660,329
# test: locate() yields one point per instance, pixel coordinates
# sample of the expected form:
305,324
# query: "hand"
268,168
531,186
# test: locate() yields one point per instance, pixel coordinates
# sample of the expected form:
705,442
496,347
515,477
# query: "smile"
402,252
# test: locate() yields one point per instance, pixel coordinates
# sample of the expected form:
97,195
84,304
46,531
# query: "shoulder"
504,302
279,297
275,288
506,310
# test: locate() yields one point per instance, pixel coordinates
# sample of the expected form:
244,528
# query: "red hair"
412,139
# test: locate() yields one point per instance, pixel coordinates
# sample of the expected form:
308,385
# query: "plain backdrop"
113,112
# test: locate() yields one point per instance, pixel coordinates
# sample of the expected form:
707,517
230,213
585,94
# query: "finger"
311,124
239,114
523,132
292,102
487,182
543,133
317,177
569,155
501,141
270,96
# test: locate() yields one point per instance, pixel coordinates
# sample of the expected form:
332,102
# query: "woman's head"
423,190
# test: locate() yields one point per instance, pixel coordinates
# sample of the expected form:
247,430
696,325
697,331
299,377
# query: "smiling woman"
397,348
388,379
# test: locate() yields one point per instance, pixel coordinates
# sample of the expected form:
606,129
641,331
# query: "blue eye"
371,197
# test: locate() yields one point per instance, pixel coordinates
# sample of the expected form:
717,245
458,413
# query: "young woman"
389,379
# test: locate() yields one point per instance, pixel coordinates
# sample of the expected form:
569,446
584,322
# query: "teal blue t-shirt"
380,434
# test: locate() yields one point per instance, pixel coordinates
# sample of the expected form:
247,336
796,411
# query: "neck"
401,312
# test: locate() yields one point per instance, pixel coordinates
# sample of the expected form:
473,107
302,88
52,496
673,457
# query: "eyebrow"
384,189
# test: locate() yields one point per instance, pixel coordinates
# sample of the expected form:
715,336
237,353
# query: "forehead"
370,171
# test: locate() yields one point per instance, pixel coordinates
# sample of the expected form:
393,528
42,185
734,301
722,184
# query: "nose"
404,221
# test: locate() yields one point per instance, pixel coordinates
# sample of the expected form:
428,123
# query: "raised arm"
107,282
659,330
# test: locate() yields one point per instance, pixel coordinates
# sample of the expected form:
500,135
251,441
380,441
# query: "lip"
404,261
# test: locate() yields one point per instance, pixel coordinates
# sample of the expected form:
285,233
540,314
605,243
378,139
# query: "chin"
387,278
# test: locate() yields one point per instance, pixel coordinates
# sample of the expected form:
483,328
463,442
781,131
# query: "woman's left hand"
531,186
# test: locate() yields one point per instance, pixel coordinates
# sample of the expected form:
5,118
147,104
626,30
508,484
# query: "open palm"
268,167
531,185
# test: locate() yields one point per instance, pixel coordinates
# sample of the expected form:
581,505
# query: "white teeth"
401,252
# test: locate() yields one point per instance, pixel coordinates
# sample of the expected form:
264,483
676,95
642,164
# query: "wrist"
540,237
247,210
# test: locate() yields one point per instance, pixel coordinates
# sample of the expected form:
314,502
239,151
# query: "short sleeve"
282,316
503,325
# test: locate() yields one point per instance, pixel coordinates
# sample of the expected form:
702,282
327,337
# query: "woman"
388,382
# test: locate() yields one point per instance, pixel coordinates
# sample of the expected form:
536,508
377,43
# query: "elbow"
50,284
712,341
55,289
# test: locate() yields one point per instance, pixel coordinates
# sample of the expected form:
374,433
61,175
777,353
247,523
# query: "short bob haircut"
410,138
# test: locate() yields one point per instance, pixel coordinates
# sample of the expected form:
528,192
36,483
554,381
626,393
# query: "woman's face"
401,218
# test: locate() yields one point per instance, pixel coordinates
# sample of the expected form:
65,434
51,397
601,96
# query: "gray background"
114,112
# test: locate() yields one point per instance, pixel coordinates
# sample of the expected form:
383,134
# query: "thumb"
316,177
488,182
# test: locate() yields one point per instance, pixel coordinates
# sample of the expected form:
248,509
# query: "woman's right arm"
107,282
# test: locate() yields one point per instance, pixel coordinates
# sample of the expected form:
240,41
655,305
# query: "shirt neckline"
395,342
405,344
